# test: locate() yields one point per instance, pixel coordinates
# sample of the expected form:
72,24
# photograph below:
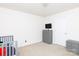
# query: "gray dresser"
47,36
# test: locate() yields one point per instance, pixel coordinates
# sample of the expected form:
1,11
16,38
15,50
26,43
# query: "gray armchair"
72,46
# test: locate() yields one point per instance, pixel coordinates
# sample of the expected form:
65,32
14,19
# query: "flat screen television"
48,26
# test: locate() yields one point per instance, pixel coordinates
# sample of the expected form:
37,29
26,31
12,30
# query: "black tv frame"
48,26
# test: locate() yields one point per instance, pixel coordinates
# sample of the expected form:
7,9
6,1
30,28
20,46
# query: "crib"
8,47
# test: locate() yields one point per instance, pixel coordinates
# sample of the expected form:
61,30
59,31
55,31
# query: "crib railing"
7,38
8,46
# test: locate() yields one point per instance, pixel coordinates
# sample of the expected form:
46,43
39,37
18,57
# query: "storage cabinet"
47,36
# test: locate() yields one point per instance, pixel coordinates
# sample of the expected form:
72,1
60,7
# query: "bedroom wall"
22,26
65,26
29,27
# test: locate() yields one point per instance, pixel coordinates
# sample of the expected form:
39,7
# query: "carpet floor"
43,49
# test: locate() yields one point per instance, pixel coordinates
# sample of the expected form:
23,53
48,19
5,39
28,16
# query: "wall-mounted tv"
48,26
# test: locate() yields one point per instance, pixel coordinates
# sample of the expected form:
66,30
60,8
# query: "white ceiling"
41,9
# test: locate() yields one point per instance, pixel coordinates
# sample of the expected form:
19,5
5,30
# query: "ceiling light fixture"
45,4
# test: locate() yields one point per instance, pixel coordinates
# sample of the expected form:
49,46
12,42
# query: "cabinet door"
47,36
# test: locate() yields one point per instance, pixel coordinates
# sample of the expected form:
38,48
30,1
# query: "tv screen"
48,26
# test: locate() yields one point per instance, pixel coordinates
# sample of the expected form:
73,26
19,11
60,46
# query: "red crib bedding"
4,51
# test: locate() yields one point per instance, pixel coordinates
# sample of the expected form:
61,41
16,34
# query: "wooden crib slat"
6,49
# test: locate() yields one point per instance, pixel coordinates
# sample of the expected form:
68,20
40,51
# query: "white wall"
29,27
21,25
65,26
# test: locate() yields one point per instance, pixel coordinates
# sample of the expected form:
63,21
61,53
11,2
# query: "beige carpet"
43,49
